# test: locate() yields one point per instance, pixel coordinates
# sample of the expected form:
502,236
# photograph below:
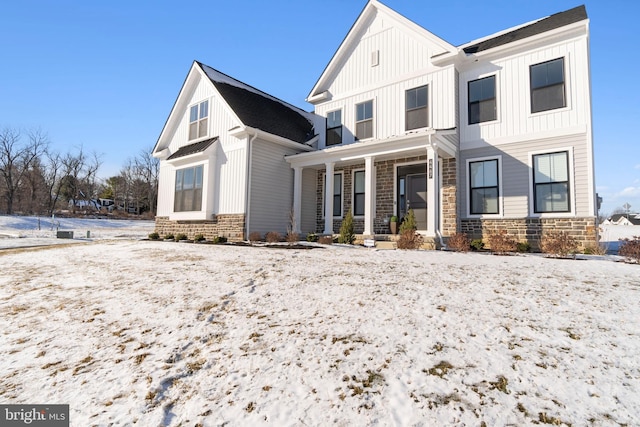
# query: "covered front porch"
376,180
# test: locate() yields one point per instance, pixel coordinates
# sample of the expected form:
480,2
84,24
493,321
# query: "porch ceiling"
413,144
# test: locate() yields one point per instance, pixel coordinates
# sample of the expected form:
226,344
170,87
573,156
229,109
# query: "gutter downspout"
436,177
248,192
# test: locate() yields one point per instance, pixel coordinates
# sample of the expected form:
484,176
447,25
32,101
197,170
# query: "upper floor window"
484,187
416,106
198,120
334,127
547,86
551,182
188,191
364,120
482,100
358,193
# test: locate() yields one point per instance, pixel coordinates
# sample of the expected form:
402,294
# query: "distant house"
492,135
623,219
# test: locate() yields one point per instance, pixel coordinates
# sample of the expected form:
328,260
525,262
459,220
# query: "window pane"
364,130
484,174
334,136
197,199
364,111
202,128
484,201
487,110
198,181
551,167
204,109
337,205
538,76
474,113
187,182
416,119
193,130
547,98
359,182
178,180
421,96
555,71
193,114
358,204
334,119
337,184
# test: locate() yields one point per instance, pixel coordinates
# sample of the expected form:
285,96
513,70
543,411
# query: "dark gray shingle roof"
547,24
197,147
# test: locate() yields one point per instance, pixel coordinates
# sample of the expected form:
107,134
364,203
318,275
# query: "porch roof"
445,141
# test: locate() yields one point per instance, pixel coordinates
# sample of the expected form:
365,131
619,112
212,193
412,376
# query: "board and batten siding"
271,192
517,174
514,117
389,106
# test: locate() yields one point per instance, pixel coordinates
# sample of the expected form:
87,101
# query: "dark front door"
412,193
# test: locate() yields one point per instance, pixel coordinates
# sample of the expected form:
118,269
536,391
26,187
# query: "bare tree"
147,169
52,172
16,158
79,180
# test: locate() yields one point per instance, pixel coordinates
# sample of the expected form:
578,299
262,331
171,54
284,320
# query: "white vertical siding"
232,180
271,193
514,117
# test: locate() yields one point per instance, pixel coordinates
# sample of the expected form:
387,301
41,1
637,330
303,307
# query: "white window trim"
190,215
324,187
200,138
333,110
353,191
498,103
572,187
567,83
500,213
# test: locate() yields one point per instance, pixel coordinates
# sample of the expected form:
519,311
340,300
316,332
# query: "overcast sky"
104,75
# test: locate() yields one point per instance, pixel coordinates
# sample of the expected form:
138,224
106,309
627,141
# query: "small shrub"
347,234
598,249
325,240
292,237
408,222
501,243
523,247
273,237
312,237
477,244
181,236
154,236
409,239
219,239
169,236
255,236
630,248
558,243
459,242
199,238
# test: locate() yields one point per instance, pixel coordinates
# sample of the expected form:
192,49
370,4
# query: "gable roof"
197,147
549,23
632,218
260,110
373,7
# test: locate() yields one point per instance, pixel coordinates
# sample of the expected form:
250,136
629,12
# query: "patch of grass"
439,370
500,384
250,407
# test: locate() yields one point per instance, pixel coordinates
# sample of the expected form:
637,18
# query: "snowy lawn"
160,333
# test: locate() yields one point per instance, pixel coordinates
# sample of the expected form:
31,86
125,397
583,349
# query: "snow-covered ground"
131,332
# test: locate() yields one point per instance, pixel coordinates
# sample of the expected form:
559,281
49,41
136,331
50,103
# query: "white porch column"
297,198
432,191
369,186
328,199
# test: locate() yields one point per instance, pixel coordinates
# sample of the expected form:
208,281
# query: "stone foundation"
531,230
231,226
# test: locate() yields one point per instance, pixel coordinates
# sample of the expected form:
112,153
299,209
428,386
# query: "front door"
412,193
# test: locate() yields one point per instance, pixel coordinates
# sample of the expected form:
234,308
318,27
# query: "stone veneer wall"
231,226
449,202
384,194
584,230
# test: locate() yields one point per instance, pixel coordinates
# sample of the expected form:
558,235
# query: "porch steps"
388,241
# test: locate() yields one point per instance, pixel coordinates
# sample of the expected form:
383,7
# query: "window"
483,187
482,100
198,120
337,194
417,111
334,128
364,120
551,182
188,195
358,193
547,85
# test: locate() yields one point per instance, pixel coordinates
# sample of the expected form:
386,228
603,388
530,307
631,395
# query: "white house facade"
492,135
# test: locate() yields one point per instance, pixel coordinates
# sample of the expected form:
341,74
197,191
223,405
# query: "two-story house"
492,135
